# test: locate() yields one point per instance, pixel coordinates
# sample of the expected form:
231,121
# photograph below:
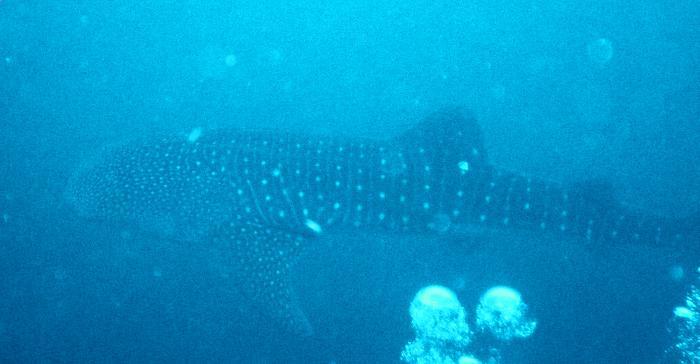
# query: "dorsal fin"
448,135
597,193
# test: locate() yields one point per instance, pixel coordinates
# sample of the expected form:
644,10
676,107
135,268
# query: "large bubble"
685,327
502,312
440,324
600,51
213,61
437,314
468,359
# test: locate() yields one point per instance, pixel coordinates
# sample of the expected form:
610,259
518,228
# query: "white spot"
276,172
600,51
463,166
194,135
336,205
677,273
231,60
684,313
313,225
440,223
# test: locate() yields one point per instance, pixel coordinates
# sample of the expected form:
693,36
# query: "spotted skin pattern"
268,194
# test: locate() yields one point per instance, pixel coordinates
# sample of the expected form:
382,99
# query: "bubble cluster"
685,327
441,328
437,314
503,313
443,335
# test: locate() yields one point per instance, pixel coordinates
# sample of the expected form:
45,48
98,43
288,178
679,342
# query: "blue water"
563,92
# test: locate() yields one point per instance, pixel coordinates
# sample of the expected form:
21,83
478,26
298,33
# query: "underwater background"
564,91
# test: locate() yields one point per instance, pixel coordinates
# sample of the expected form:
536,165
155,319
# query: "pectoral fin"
263,257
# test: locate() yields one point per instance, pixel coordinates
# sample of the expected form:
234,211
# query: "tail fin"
601,218
446,159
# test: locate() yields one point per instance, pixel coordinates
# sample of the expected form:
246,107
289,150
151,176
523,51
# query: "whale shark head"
148,185
92,188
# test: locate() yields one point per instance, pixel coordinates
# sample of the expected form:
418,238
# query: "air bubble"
194,135
600,51
231,60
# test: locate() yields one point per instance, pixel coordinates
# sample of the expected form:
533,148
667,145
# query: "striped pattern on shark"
268,194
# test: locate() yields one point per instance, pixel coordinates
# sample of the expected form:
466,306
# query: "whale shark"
267,195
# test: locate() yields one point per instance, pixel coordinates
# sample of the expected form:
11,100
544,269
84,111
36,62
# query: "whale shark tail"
446,151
